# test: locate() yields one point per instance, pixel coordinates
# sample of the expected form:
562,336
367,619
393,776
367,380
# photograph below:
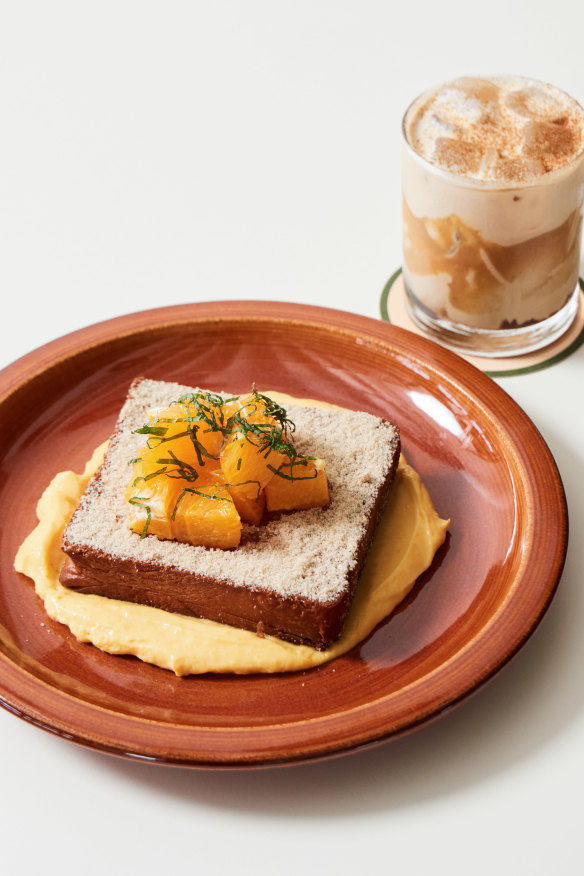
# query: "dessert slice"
293,577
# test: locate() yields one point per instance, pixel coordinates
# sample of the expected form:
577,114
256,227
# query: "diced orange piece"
248,458
249,508
152,498
177,460
298,485
253,410
199,511
249,407
247,465
206,515
210,413
183,428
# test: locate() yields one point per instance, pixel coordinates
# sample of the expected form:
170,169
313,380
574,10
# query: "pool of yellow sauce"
409,534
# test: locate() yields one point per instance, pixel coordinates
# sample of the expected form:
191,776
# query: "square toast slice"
293,577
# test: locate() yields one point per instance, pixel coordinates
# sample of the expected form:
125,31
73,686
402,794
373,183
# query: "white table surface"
155,154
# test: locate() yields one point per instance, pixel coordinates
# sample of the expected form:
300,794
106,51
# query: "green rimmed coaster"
394,310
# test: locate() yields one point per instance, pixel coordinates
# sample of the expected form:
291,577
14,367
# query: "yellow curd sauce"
408,535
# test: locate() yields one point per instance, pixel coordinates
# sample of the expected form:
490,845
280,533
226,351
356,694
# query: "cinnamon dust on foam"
509,129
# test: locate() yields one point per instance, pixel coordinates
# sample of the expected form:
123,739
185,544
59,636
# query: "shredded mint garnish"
206,412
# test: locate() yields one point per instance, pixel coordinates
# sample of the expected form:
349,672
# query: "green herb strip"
151,430
200,493
190,432
292,476
244,483
141,501
182,469
148,477
209,409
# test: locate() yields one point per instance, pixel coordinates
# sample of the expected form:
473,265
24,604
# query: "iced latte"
493,187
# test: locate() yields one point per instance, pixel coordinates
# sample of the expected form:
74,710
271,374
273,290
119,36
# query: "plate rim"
28,367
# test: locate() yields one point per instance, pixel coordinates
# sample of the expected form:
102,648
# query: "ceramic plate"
482,460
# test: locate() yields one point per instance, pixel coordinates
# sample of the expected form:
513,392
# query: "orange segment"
248,458
206,516
181,425
176,459
299,485
250,408
250,452
258,418
248,466
249,508
152,498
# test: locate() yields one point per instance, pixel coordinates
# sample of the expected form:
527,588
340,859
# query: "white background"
159,153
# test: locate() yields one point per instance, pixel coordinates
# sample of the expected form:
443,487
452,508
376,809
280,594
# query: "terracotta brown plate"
483,461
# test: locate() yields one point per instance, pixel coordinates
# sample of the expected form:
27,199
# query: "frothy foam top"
505,129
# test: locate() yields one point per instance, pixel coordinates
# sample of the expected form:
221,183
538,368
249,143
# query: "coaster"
394,310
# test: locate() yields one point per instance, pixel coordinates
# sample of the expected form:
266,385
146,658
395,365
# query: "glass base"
498,342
